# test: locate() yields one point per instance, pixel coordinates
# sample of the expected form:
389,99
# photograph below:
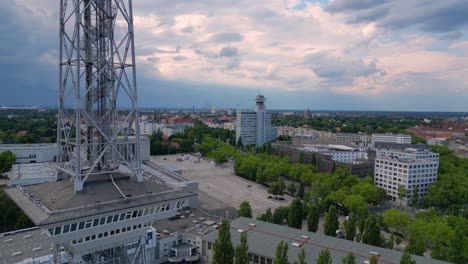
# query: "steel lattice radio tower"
97,72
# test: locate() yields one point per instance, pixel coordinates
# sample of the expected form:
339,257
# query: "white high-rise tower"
254,127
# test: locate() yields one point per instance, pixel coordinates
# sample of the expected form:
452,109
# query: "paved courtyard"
220,188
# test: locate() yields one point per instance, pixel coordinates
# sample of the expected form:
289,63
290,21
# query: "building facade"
32,153
391,138
391,172
254,126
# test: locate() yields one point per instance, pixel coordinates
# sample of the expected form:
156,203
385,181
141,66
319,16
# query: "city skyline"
339,55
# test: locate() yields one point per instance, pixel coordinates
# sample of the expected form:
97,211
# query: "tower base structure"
110,221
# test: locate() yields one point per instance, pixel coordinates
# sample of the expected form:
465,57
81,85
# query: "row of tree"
379,124
447,236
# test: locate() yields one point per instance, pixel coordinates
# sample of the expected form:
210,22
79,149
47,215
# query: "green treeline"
192,137
41,127
11,218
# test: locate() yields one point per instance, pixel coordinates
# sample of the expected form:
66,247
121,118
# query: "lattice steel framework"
97,72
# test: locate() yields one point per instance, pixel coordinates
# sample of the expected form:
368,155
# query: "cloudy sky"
324,55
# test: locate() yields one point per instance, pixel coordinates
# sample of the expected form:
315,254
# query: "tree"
333,169
239,143
371,234
351,227
301,158
402,192
7,159
266,217
439,251
324,257
276,188
373,260
416,243
223,249
314,160
415,195
455,249
397,219
301,257
398,241
295,214
280,215
292,188
406,259
245,210
300,191
242,250
281,256
313,218
349,259
331,222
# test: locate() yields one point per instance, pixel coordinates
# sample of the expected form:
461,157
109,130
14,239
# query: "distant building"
303,132
229,126
353,137
324,160
32,153
391,138
340,153
390,172
254,126
437,141
307,113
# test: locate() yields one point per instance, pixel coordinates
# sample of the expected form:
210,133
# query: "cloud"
179,58
227,37
188,29
228,51
326,65
430,16
339,54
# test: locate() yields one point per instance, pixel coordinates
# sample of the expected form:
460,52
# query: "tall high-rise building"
254,126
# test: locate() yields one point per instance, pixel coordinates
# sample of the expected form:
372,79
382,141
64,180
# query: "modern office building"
254,126
391,138
392,171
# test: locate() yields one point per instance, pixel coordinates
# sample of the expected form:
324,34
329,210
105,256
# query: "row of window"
59,230
384,174
110,233
432,165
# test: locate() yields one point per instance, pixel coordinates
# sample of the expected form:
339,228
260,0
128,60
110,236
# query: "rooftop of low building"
264,237
56,201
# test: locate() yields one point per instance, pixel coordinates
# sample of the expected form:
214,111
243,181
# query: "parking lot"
220,188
